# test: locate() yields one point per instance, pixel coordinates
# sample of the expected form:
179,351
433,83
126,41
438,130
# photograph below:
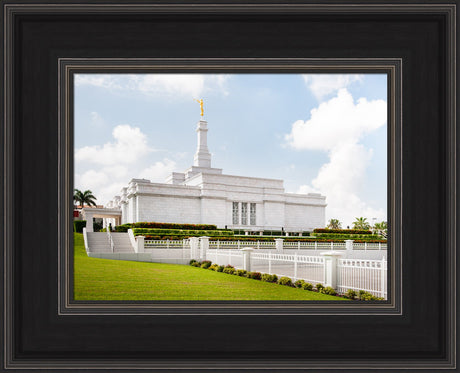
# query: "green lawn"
103,279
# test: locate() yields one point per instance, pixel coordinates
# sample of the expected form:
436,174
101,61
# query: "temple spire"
202,156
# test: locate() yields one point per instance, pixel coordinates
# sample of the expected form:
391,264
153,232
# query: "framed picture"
236,210
51,51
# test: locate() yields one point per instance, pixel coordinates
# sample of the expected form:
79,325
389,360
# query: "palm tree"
381,228
84,197
334,224
361,223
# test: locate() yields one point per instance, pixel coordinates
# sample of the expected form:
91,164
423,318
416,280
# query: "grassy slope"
103,279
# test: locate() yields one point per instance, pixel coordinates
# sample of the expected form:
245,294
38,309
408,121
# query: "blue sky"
319,133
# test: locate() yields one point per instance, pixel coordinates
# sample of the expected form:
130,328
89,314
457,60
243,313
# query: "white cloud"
130,145
102,183
337,121
93,179
337,126
118,171
158,171
107,168
322,85
174,85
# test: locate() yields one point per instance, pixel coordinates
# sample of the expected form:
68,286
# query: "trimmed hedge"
349,236
123,228
181,233
344,231
78,225
207,227
254,240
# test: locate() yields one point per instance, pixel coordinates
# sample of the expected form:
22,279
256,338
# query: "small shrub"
285,281
229,266
192,261
307,286
255,275
319,287
220,268
229,270
269,278
364,295
299,284
350,294
206,264
328,290
368,296
196,264
214,267
241,272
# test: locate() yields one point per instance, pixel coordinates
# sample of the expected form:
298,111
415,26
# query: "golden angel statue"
201,105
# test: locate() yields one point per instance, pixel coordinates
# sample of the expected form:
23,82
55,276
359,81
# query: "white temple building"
204,195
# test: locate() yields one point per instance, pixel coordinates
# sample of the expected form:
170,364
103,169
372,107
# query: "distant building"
204,195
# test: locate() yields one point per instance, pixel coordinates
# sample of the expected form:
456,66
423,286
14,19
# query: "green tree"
381,228
85,197
361,223
334,224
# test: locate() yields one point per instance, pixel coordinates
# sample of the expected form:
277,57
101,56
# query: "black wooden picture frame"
68,67
43,329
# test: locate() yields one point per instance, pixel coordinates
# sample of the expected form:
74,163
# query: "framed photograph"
243,138
231,222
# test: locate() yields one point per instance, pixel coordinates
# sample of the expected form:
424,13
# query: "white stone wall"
304,217
170,209
214,211
274,215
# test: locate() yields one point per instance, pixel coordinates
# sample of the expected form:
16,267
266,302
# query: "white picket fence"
224,257
355,274
308,268
367,275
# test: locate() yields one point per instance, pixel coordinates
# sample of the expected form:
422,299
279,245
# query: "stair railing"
109,236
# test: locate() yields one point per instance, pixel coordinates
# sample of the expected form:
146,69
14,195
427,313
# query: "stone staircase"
98,242
122,243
